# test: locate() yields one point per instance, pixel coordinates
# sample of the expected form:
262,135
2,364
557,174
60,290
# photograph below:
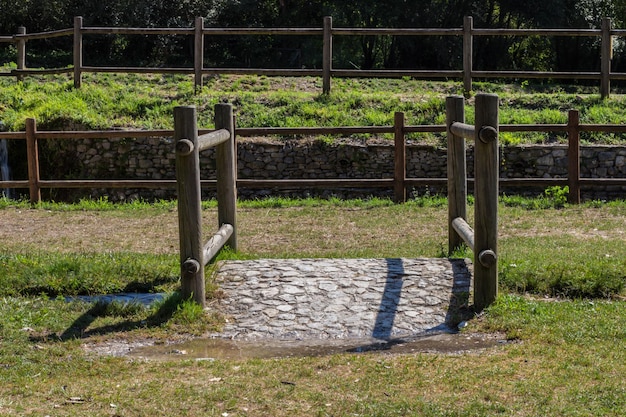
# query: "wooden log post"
226,164
468,48
486,174
457,171
573,156
21,52
327,54
78,51
198,53
399,188
32,151
189,206
605,58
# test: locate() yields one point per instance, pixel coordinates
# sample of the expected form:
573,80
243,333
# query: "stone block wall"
153,158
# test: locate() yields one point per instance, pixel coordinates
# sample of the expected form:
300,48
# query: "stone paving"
298,299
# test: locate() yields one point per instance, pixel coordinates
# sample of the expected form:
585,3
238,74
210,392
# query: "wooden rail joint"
191,266
488,134
487,258
184,147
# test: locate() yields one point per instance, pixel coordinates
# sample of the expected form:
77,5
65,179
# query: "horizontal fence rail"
400,183
467,73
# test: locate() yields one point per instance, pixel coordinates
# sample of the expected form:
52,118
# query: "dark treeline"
491,53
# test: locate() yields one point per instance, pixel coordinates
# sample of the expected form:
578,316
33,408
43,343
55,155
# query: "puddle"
212,349
145,299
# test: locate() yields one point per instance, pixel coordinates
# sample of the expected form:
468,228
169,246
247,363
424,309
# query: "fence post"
189,207
605,58
198,55
32,151
399,190
21,51
78,50
468,45
226,167
573,156
486,174
327,55
457,171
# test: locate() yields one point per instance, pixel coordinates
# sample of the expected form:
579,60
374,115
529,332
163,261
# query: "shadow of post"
80,328
390,300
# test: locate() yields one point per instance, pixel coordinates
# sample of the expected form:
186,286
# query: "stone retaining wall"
153,158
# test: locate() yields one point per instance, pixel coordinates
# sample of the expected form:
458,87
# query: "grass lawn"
562,305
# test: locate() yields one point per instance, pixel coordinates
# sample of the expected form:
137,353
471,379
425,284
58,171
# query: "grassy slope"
108,100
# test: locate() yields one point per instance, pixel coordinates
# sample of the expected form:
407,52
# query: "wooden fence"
399,183
194,255
483,239
327,32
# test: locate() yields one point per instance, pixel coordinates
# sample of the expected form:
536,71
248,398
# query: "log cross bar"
194,256
483,239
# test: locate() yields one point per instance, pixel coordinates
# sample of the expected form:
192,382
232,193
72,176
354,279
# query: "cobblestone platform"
298,299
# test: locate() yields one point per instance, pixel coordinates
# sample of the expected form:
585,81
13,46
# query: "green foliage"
552,197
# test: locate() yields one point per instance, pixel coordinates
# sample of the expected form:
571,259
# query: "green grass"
139,101
563,355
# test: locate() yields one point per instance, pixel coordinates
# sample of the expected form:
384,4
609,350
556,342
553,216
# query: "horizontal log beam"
138,70
44,35
464,230
211,139
135,31
463,130
215,243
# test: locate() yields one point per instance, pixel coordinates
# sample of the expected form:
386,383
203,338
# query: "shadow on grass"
80,327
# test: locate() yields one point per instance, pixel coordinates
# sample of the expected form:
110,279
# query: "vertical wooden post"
486,174
189,207
327,55
457,171
573,156
32,151
78,51
399,190
21,52
198,54
605,58
226,162
468,45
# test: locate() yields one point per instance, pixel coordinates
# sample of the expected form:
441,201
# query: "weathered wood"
397,73
468,52
605,58
44,35
399,189
457,171
136,31
21,51
226,172
486,174
573,157
397,31
537,32
572,75
217,242
463,130
32,155
327,54
139,70
189,207
328,183
211,139
464,230
198,52
78,51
